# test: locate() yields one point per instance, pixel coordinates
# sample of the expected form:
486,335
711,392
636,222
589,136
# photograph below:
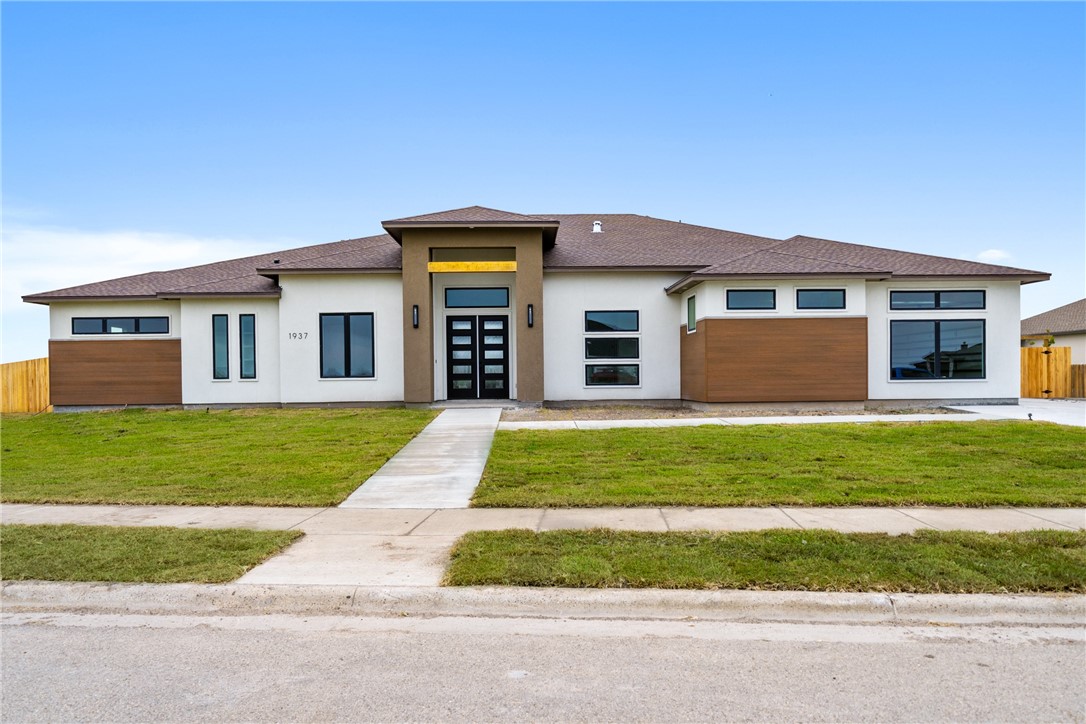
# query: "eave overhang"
549,228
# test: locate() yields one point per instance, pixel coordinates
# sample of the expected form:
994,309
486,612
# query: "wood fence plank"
24,386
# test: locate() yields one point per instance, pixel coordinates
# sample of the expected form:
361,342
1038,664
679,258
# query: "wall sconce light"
531,315
415,316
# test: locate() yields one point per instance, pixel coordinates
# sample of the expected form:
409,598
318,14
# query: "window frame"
215,349
936,300
345,316
937,352
104,325
241,347
616,334
635,365
842,290
635,330
445,298
692,314
728,300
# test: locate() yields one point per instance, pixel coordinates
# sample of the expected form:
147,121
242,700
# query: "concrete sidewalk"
761,420
409,547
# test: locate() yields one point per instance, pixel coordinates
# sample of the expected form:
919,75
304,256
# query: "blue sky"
142,136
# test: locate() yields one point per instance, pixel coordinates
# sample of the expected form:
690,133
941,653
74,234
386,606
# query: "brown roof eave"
673,269
395,228
197,295
1026,278
273,272
47,299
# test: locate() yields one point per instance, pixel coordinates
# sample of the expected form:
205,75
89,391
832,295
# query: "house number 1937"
297,335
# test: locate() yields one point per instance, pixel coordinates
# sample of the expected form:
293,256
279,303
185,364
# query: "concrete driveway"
1064,412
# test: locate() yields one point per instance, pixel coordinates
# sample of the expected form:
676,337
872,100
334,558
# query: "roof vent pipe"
597,227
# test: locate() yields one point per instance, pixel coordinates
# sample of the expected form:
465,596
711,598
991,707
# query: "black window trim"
345,316
241,360
597,363
226,352
844,297
938,307
937,359
589,337
136,321
730,308
616,332
508,296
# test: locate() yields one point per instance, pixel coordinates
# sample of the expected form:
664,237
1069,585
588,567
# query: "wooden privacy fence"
24,386
1046,372
1078,381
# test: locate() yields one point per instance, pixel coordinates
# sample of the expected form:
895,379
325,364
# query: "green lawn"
935,463
236,457
134,555
810,560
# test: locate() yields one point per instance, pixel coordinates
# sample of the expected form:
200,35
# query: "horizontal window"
604,321
612,375
347,345
612,348
968,299
478,297
752,299
120,325
820,299
944,349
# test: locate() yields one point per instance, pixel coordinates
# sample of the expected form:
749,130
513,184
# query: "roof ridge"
914,253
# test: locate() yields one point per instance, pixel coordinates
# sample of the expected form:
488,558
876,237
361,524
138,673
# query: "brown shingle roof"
1068,319
627,241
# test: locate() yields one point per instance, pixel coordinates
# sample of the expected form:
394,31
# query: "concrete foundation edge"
736,606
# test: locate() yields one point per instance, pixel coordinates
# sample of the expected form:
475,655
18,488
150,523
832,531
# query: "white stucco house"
477,303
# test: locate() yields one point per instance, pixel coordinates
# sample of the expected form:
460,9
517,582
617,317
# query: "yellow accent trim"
472,266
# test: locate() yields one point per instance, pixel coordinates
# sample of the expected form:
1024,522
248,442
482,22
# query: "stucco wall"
61,314
566,297
1002,358
197,385
305,298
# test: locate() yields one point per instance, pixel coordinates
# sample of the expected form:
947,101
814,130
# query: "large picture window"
963,299
944,349
748,299
347,345
247,346
220,347
120,325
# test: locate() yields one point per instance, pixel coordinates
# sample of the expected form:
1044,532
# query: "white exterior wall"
568,295
1001,342
305,297
712,298
197,385
61,314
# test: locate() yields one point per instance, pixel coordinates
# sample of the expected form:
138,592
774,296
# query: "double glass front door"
477,356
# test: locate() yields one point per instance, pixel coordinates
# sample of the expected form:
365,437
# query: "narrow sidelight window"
691,314
220,347
347,345
247,346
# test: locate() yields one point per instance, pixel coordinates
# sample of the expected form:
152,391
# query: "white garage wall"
197,385
1001,354
305,298
566,297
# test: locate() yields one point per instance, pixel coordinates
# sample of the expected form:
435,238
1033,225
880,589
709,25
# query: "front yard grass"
806,560
232,457
931,463
134,555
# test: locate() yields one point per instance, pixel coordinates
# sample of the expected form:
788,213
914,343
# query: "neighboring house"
1067,324
479,303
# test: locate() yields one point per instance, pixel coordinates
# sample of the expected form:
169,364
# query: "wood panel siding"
692,364
785,360
115,372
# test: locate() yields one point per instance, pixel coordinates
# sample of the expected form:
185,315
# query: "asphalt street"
66,666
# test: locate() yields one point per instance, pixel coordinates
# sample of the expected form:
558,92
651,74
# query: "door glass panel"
494,384
461,369
461,354
494,324
493,339
493,369
494,354
461,325
461,384
461,340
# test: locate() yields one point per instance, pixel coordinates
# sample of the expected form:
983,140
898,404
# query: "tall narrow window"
247,346
347,345
220,347
691,314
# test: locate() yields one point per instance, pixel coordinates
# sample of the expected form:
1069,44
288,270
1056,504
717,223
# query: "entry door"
477,356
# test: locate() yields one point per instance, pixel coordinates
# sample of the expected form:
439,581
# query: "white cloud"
40,259
994,256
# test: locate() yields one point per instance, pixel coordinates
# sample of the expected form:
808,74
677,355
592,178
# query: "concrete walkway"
1064,412
409,547
440,468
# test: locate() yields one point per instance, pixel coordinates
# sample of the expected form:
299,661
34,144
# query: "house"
480,303
1066,324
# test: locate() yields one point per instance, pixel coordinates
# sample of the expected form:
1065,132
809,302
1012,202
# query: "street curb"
737,606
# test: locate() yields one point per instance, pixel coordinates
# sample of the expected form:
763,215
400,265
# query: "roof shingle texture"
627,241
1068,319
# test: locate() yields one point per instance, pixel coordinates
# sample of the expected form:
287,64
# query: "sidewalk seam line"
306,520
918,520
783,510
416,526
1038,517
